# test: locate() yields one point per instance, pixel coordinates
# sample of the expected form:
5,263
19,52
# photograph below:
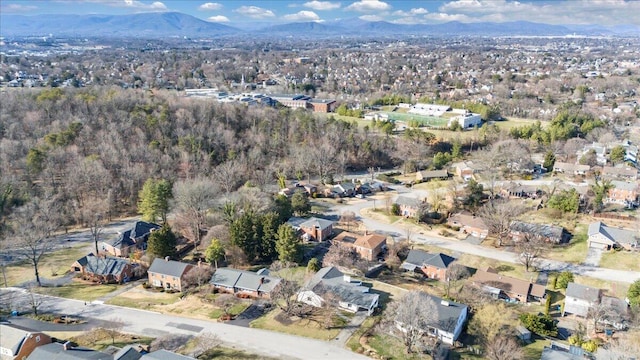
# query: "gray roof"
139,230
624,185
169,267
583,292
331,280
128,352
104,266
548,231
430,174
295,222
616,235
164,355
448,312
56,351
316,222
12,337
247,280
419,258
553,354
409,201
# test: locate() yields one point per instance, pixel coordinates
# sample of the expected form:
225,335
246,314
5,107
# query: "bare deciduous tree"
503,348
410,318
530,249
498,215
113,328
198,276
202,343
348,217
192,200
455,273
171,342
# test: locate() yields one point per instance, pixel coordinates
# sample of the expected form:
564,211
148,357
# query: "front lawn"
141,298
389,347
235,310
100,339
80,290
275,320
52,266
534,349
573,252
621,260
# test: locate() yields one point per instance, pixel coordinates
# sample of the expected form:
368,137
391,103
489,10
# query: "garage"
597,245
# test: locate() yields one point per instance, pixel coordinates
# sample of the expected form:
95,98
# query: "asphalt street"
148,323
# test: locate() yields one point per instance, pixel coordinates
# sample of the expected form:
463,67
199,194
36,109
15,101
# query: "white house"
330,284
602,236
579,299
449,320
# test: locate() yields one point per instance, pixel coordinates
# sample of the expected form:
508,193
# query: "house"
368,246
469,224
315,229
602,236
508,288
433,266
520,230
168,274
555,353
330,284
427,175
410,207
517,190
449,318
572,169
245,284
464,170
579,299
18,343
104,269
134,238
58,351
626,173
620,308
600,151
345,189
624,193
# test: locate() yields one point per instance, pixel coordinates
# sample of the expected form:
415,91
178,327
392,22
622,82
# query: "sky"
563,12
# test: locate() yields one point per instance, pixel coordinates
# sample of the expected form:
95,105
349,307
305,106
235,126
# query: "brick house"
322,105
368,246
168,274
508,288
315,229
134,238
520,230
410,207
433,266
245,284
469,224
104,269
18,343
624,193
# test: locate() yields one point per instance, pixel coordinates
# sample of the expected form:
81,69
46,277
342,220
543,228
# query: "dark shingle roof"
447,312
547,231
440,260
583,292
140,229
104,266
331,280
169,267
56,351
419,258
247,280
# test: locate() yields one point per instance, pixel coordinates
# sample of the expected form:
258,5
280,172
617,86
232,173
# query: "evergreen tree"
549,161
269,222
154,199
215,252
162,242
243,234
300,204
288,245
283,208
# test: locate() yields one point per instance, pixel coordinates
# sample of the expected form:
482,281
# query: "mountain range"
157,25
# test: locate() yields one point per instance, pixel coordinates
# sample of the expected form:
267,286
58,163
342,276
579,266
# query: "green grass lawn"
52,266
100,339
235,310
612,288
389,347
620,260
354,341
534,350
79,290
304,328
144,302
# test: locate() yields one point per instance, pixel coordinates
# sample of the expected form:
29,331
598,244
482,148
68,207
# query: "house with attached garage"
168,274
508,288
245,284
520,230
331,285
18,343
579,299
104,269
469,224
410,207
449,318
433,266
128,241
606,237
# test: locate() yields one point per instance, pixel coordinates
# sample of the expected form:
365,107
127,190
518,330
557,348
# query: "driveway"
593,257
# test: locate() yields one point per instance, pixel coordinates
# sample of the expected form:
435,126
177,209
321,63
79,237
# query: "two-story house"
168,274
18,343
368,246
433,266
623,193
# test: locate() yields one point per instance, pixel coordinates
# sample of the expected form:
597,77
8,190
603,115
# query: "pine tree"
288,244
162,242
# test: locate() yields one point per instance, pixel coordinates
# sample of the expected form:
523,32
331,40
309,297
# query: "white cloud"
368,6
603,12
371,18
444,17
410,13
17,8
210,6
322,5
218,19
156,5
409,20
303,15
255,12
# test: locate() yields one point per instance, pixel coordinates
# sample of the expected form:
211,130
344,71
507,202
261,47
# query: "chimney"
67,346
444,303
166,258
346,278
262,280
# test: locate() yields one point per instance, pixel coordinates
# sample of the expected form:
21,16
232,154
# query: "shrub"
554,281
395,209
539,324
564,279
547,305
590,346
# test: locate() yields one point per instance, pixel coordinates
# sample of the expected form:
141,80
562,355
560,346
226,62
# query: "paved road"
147,323
397,231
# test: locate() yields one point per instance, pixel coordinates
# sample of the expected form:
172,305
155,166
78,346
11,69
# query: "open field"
52,266
80,290
621,260
273,320
430,121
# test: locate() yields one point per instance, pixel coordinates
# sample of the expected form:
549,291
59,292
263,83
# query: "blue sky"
601,12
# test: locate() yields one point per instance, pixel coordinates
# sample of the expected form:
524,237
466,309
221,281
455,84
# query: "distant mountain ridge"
177,24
